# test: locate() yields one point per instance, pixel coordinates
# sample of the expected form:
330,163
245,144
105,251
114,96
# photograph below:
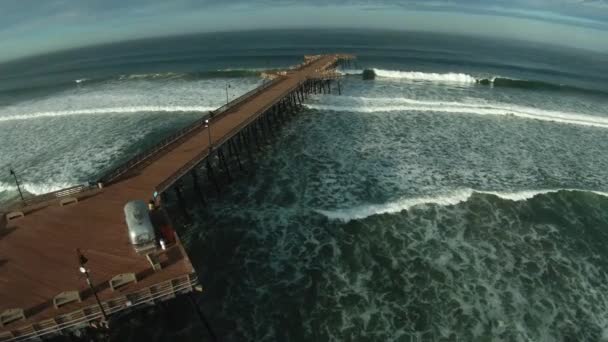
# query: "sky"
29,27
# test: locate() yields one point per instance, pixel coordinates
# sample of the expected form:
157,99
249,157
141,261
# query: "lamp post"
227,86
18,186
82,260
208,127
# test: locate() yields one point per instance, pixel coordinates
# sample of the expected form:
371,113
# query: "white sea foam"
426,76
151,76
247,69
450,77
447,198
372,105
350,72
93,111
35,188
129,96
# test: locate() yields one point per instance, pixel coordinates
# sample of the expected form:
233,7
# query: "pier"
42,290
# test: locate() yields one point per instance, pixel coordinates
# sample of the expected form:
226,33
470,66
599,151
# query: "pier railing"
49,197
164,185
146,155
178,136
152,294
233,104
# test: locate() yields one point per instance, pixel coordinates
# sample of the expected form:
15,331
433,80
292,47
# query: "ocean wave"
115,110
444,199
450,77
425,76
350,71
372,105
197,75
534,85
462,78
232,73
168,76
35,188
152,76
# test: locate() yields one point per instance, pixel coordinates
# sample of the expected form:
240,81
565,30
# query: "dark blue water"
459,195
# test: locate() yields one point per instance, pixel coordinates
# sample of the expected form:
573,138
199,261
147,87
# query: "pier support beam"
253,132
202,317
197,187
164,197
181,203
223,163
232,148
211,176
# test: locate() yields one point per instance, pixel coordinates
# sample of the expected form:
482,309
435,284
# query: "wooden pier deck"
37,251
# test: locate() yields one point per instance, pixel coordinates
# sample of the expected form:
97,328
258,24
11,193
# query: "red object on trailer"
168,233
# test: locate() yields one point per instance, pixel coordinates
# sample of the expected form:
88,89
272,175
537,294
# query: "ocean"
461,195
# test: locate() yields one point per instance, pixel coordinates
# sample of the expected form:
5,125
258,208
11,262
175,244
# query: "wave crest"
425,76
115,110
372,105
462,78
444,199
35,188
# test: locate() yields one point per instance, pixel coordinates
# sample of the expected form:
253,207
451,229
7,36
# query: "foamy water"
445,198
379,215
426,76
480,107
116,110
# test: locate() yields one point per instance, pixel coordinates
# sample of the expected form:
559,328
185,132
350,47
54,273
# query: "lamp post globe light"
208,127
82,260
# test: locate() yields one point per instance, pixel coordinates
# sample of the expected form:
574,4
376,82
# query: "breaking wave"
371,105
152,76
534,85
350,71
444,199
35,188
115,110
424,76
190,76
207,74
462,78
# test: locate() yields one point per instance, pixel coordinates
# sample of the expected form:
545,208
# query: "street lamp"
208,127
227,86
18,186
82,260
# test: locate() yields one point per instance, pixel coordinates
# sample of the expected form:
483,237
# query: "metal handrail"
191,282
49,196
58,194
